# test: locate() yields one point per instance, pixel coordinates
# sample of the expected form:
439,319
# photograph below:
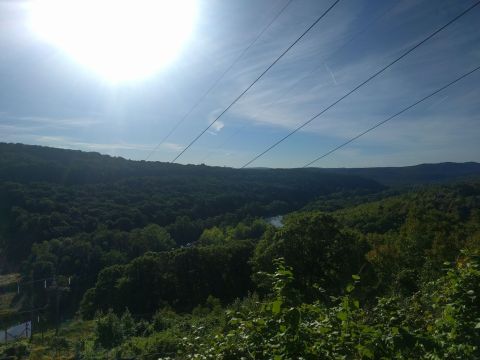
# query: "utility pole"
54,287
57,304
58,290
32,303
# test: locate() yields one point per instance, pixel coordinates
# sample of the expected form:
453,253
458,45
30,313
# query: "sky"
49,98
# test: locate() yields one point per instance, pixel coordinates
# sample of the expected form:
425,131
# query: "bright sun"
122,40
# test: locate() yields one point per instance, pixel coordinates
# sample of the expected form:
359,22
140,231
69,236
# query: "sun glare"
122,40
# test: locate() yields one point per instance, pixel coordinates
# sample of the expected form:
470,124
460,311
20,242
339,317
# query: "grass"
7,302
9,279
40,346
51,346
10,301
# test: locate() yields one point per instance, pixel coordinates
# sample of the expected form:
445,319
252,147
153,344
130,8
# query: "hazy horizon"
252,167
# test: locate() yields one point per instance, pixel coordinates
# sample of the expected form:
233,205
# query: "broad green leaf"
365,352
276,305
342,315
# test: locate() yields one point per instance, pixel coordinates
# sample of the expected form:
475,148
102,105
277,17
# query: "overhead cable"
257,79
220,78
362,84
392,117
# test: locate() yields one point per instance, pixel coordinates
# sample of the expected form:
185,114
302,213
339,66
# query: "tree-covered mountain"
393,278
30,163
179,261
49,193
417,174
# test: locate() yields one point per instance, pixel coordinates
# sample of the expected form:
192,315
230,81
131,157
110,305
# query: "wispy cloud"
331,73
172,147
34,122
217,126
60,141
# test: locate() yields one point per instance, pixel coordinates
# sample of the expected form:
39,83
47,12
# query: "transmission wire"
306,76
392,117
361,84
256,80
220,78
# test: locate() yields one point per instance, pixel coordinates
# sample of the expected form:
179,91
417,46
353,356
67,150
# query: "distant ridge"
415,174
19,161
31,163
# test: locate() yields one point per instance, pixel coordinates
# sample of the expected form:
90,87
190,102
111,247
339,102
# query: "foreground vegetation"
437,322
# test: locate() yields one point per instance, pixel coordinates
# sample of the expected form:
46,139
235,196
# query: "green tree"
108,330
150,238
318,250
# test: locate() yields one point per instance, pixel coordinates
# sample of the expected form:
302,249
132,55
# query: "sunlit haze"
142,79
120,40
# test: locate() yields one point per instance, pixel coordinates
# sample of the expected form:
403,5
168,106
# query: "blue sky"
47,98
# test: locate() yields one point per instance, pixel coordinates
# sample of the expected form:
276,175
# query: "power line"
257,79
20,283
25,311
34,281
306,76
23,283
220,78
392,117
361,84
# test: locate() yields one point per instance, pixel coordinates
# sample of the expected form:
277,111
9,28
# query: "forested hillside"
418,174
51,193
155,260
28,163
